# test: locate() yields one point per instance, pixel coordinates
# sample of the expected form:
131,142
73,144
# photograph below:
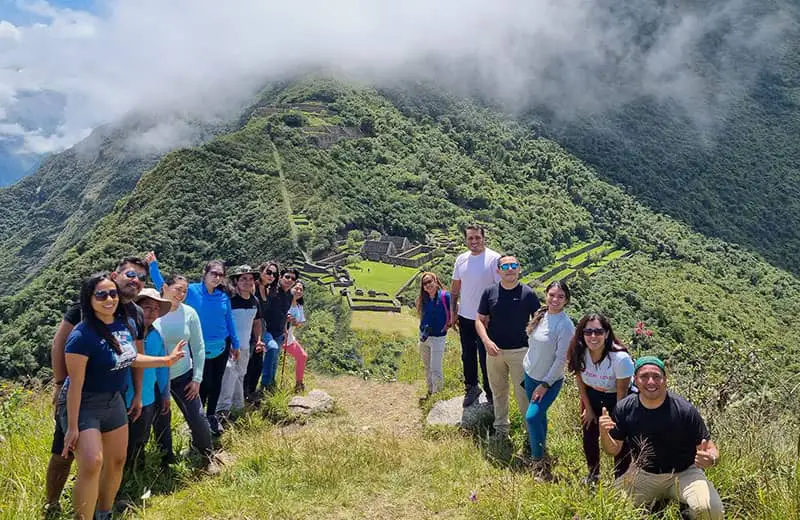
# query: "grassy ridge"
343,469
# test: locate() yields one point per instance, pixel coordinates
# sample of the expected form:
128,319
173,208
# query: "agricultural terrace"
595,257
380,277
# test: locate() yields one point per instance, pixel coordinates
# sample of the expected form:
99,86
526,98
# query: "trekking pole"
283,356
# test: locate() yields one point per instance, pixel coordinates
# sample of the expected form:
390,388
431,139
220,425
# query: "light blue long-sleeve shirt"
153,346
184,324
214,310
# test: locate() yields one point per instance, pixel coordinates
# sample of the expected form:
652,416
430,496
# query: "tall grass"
319,469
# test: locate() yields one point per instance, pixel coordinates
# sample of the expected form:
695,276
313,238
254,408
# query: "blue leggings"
536,416
271,356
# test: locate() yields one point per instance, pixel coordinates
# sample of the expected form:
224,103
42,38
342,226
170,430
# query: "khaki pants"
432,352
499,367
689,486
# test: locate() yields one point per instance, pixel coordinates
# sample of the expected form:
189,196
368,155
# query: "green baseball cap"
649,360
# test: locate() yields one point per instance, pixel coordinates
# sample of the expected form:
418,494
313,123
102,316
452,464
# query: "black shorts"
57,448
104,411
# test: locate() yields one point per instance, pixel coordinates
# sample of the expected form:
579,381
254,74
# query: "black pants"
473,352
591,434
211,386
253,374
193,413
139,432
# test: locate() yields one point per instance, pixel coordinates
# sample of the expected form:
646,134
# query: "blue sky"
10,10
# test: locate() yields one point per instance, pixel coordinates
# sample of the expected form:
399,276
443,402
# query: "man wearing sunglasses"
474,270
669,442
504,311
130,275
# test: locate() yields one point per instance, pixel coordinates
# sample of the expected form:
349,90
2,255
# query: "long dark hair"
301,301
576,353
537,316
90,318
269,289
422,297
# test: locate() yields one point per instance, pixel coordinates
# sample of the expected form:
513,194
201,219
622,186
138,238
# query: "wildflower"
473,497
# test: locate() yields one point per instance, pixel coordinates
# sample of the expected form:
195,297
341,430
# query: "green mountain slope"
737,174
411,161
47,212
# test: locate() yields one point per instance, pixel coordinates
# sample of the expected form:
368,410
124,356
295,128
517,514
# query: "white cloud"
8,31
200,57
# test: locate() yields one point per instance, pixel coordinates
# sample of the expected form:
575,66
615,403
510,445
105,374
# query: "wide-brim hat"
239,270
164,305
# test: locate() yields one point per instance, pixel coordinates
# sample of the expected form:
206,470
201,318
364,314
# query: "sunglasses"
271,273
289,277
102,296
508,266
427,282
133,274
218,274
594,332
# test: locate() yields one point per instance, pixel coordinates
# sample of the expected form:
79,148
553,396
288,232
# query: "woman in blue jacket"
212,303
433,308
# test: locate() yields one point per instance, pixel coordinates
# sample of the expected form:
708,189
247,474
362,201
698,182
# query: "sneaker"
472,394
590,480
216,427
52,511
168,459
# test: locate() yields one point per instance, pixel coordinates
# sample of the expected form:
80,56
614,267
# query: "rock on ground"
452,413
317,401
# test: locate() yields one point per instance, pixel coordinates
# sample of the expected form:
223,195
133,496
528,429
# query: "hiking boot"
590,480
52,511
299,387
224,418
216,427
472,394
541,470
168,459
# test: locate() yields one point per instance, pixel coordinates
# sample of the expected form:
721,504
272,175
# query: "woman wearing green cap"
603,370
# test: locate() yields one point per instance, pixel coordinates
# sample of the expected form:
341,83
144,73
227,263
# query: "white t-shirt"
296,312
476,273
603,376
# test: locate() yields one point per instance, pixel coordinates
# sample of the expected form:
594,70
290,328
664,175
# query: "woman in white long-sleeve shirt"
549,334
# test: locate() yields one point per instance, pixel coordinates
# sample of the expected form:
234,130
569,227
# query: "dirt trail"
371,406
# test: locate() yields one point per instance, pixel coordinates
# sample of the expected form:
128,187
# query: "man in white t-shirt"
474,270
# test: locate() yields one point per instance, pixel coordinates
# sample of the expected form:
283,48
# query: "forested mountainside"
414,160
731,170
47,212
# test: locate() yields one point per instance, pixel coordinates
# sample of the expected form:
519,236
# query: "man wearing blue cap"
669,442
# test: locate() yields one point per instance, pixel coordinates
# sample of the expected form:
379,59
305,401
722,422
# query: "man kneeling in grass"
669,442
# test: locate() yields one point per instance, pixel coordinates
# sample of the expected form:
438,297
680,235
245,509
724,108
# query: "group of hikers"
124,350
659,441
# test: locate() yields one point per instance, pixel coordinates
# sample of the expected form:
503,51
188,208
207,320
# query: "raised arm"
155,273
